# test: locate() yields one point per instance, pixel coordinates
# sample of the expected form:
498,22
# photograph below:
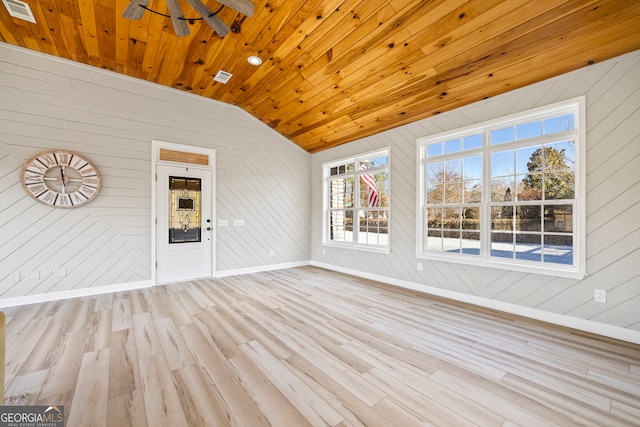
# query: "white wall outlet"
271,252
238,222
419,266
600,295
324,251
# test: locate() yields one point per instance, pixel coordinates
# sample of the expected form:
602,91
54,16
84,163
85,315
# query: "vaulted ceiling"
337,70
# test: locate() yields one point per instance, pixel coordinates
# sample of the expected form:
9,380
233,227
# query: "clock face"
60,179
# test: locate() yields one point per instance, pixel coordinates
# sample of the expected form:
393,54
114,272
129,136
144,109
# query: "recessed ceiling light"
254,60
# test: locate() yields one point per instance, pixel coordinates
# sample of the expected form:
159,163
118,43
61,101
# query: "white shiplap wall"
612,92
48,103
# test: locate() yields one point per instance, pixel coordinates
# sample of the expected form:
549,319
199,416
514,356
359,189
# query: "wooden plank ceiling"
338,70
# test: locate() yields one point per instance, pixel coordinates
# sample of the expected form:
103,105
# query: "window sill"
373,249
524,267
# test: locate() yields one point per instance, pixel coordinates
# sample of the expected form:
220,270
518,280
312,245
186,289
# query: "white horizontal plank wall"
612,90
48,103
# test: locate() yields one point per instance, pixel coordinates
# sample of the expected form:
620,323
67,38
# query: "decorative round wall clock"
60,179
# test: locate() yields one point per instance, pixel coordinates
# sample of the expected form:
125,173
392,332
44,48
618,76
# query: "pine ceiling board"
284,47
8,33
479,87
329,73
279,29
121,37
42,33
87,24
50,16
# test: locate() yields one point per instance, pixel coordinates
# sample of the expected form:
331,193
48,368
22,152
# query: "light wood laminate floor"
310,347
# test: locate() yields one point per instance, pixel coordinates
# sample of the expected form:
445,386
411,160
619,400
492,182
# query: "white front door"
184,224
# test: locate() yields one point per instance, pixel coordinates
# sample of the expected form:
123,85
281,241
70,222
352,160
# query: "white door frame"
156,146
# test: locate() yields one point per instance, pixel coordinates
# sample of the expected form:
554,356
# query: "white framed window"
507,193
356,202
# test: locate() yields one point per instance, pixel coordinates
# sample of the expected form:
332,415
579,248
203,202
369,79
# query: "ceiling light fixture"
254,60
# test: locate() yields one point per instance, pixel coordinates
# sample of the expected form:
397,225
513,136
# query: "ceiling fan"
136,9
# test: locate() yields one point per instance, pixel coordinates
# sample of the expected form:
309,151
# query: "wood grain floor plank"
127,410
306,346
276,408
123,366
161,401
89,407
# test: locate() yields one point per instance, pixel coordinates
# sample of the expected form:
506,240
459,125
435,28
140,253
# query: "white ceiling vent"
222,76
19,9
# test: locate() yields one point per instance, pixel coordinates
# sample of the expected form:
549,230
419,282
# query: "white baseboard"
258,269
73,293
603,329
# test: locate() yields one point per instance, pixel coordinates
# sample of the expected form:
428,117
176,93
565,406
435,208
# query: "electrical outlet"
419,266
271,252
600,295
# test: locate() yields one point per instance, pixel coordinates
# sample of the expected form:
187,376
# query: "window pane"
502,163
471,218
501,135
341,226
434,149
369,231
501,189
434,240
185,210
472,191
502,218
452,146
434,194
525,159
558,219
453,192
470,243
451,241
472,167
528,247
374,190
529,218
451,219
559,124
341,193
558,249
373,162
566,156
434,218
529,187
558,186
502,245
453,170
435,173
529,130
473,141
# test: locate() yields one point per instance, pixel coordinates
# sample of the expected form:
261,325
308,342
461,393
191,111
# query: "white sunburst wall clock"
60,179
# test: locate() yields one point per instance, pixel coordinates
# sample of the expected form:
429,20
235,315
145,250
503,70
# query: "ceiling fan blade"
214,22
179,25
243,6
135,10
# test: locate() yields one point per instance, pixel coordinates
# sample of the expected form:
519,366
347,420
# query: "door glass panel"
185,210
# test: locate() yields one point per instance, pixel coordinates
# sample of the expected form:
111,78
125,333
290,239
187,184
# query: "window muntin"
511,199
357,202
